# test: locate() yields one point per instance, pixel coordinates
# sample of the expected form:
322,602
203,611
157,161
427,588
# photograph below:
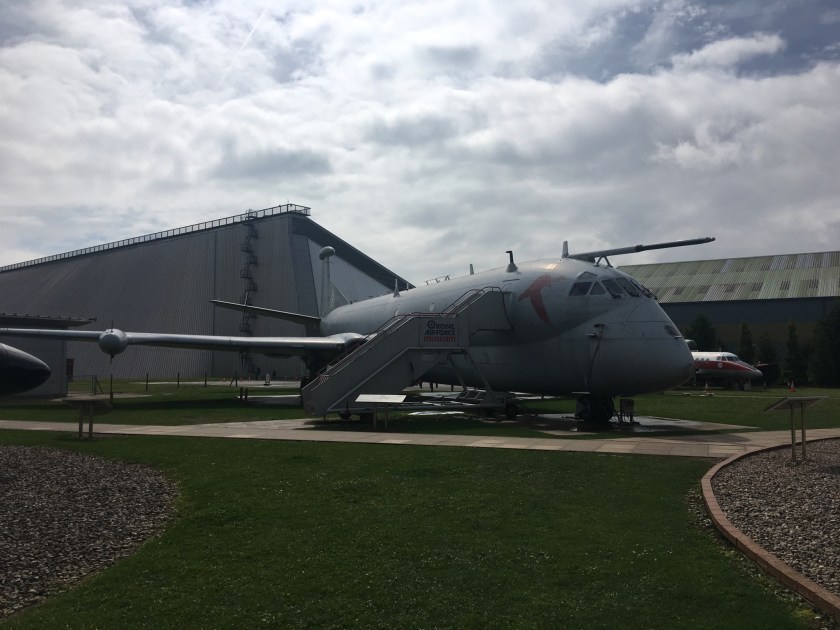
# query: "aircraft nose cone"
668,364
643,353
19,371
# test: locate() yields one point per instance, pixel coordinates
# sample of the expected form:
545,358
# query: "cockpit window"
580,288
644,290
617,287
613,287
628,286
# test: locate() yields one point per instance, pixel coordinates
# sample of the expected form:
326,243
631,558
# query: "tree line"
816,361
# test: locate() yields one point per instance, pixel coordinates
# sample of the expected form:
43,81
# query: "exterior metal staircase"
405,348
246,273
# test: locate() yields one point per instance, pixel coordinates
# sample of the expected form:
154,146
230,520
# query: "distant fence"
84,384
197,227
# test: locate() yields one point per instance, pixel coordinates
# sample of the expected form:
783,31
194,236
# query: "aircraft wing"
114,341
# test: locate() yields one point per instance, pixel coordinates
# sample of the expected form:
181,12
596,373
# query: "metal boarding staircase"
403,349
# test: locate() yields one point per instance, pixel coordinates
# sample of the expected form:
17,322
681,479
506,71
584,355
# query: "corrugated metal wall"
766,292
166,285
159,286
789,276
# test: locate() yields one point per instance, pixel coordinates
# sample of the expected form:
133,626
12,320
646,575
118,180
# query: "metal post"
792,436
178,381
110,395
802,421
205,379
147,381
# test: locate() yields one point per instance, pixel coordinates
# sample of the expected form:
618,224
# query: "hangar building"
766,292
164,282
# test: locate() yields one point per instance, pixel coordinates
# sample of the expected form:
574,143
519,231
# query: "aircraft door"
576,354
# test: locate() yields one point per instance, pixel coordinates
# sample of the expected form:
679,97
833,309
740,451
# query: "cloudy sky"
430,134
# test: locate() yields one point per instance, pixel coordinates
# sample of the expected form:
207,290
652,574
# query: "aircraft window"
597,289
645,291
580,288
586,275
613,287
628,286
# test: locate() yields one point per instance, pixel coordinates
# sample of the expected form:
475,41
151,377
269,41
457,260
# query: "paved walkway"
714,445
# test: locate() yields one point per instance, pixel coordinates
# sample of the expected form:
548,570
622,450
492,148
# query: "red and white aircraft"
725,367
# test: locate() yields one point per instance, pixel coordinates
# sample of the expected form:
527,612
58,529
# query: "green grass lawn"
168,404
725,407
284,534
163,404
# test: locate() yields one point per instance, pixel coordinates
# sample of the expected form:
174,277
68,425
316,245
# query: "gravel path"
64,515
791,511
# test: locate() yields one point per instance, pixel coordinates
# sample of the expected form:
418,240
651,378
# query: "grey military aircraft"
575,325
20,371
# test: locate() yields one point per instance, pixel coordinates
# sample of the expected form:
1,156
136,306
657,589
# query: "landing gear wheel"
595,409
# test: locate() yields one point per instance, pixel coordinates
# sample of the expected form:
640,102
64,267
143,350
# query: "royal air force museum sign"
441,331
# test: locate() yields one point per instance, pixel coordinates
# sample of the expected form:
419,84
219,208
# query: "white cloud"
729,52
429,135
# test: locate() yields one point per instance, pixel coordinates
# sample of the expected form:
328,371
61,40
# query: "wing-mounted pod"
20,371
113,342
598,256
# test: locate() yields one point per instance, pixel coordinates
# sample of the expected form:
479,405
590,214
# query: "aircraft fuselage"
574,328
723,366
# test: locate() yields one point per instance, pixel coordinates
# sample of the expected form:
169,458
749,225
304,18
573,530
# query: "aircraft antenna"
511,265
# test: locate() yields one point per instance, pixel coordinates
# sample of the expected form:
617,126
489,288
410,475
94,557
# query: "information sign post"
793,403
